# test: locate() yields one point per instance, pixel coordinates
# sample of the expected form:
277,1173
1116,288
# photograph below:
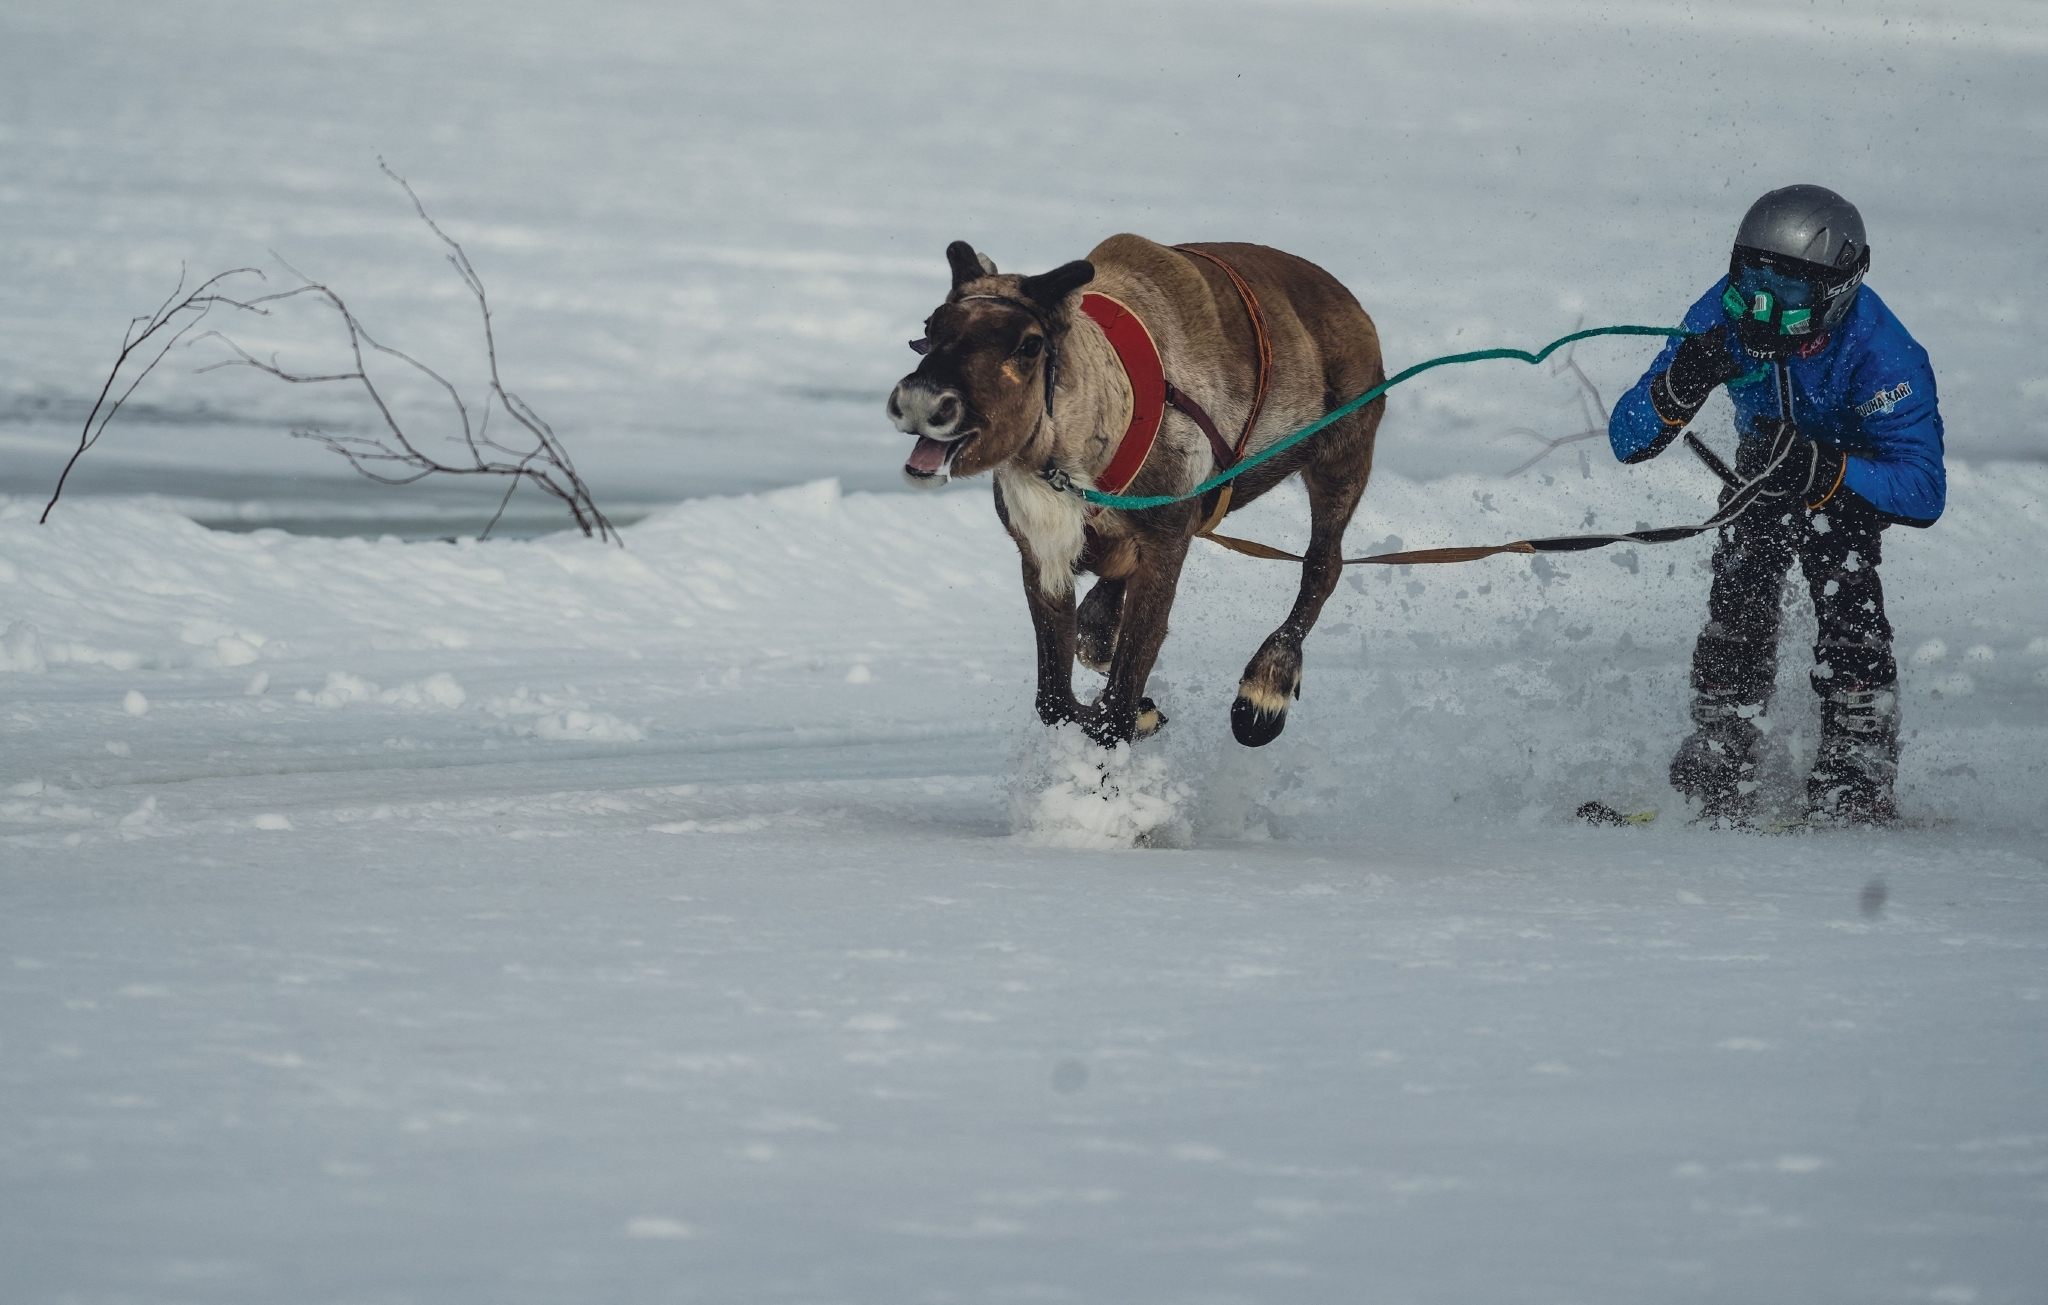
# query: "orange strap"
1841,473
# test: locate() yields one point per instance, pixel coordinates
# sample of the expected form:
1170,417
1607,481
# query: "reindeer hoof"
1270,680
1258,716
1253,727
1150,719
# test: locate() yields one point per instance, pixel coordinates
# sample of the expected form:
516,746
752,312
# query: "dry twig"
186,312
393,458
1591,406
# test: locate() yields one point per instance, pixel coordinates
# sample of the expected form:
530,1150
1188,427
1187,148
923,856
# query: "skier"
1835,403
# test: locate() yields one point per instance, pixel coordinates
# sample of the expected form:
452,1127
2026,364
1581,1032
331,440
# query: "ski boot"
1852,777
1716,764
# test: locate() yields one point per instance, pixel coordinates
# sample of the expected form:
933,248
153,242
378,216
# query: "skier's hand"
1808,470
1701,365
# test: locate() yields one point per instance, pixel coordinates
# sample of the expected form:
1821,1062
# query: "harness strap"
1152,393
1263,343
1217,448
1260,339
1742,494
1138,354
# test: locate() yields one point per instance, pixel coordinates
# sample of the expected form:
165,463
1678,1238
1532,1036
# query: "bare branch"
390,458
187,311
545,465
1592,408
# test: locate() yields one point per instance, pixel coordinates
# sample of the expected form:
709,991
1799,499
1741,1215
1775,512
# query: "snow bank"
1503,690
132,584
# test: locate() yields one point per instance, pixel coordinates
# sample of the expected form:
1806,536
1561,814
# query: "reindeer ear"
988,265
966,264
1049,289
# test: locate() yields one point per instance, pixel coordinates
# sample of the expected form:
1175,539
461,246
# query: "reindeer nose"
919,410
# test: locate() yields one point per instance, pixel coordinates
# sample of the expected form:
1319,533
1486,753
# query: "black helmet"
1799,260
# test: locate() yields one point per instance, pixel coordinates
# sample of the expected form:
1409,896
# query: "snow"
391,917
623,919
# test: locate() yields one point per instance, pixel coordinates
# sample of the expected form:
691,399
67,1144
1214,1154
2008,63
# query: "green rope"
1132,503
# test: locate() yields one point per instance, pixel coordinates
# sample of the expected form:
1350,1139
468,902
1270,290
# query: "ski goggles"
1768,296
1789,296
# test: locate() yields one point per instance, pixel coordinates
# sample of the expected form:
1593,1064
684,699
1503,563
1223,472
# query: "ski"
1603,816
1599,813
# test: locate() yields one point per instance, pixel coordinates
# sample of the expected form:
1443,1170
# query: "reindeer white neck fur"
1091,407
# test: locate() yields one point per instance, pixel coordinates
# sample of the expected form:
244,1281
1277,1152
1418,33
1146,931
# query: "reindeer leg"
1273,676
1096,624
1052,620
1123,711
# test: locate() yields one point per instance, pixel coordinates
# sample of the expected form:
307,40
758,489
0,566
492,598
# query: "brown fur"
1326,351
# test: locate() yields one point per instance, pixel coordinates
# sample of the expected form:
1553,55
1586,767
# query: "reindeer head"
991,352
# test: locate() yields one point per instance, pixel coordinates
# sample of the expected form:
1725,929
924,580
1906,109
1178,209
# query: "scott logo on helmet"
1884,401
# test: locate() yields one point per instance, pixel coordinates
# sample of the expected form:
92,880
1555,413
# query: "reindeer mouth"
932,459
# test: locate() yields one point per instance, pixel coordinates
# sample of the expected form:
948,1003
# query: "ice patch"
135,704
1069,791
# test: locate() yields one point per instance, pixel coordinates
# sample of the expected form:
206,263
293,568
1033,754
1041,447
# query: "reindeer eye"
1030,346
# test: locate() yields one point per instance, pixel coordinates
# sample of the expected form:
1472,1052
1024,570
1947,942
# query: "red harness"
1139,354
1151,393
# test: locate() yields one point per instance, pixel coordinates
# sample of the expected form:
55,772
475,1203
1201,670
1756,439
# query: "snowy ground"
537,921
705,920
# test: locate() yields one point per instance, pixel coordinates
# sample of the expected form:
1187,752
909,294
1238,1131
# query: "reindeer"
1019,377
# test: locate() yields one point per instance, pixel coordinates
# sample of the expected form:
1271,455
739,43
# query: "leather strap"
1151,393
1217,448
1262,341
1226,458
1416,557
1742,494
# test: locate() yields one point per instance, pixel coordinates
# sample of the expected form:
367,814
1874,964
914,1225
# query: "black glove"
1700,366
1809,470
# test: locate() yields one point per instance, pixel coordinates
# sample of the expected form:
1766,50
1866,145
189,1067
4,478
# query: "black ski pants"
1838,549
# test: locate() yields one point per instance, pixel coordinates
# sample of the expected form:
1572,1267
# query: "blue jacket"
1869,391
